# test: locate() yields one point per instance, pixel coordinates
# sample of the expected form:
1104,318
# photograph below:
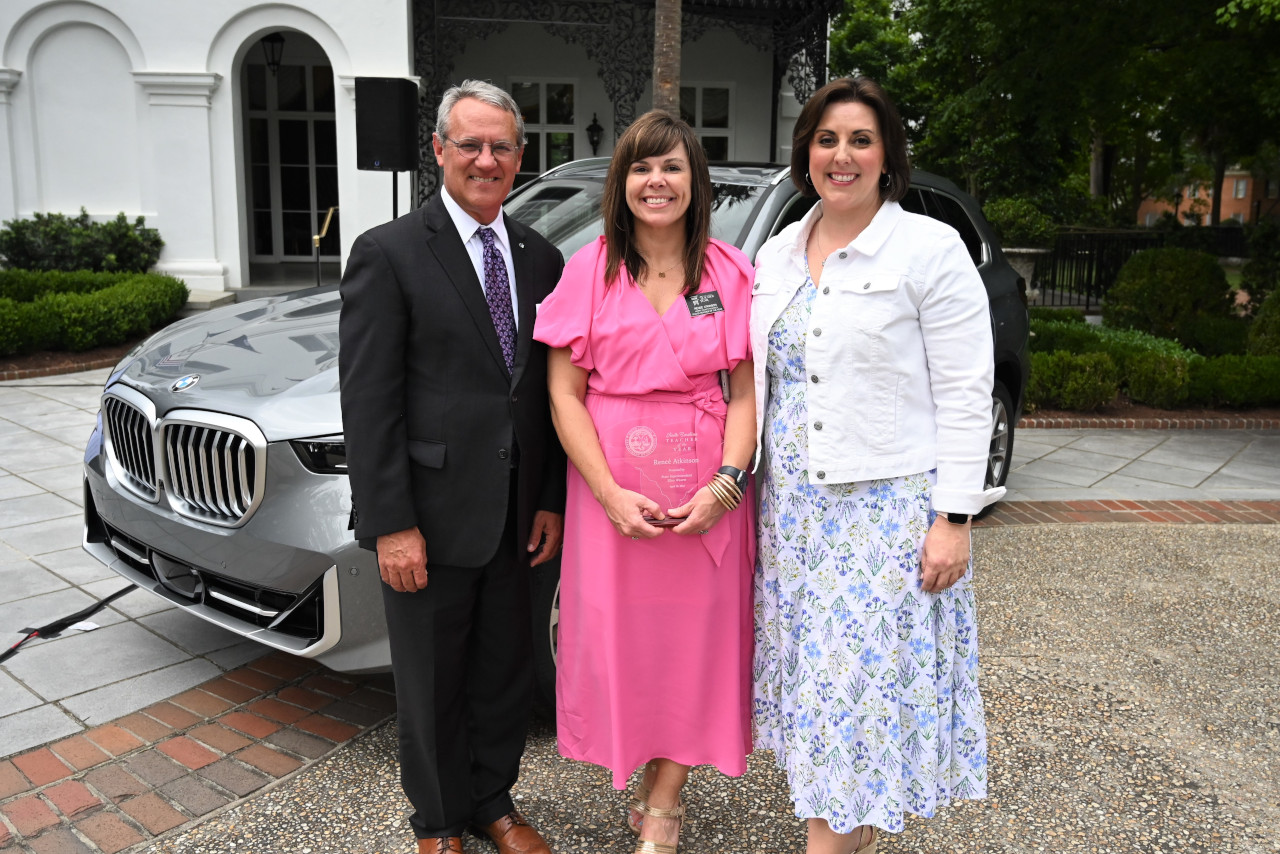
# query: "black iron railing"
1083,265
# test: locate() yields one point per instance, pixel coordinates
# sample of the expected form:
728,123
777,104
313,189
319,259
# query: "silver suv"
216,475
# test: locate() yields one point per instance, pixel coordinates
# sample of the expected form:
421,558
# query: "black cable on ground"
52,630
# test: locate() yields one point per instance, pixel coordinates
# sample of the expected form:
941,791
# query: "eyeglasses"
469,149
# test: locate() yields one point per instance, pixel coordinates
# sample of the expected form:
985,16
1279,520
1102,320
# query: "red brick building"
1246,197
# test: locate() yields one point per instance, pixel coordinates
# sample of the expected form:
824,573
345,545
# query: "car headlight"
322,456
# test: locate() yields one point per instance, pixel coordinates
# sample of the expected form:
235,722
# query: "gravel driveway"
1133,701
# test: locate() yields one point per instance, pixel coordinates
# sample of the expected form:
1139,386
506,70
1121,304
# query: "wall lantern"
593,133
273,49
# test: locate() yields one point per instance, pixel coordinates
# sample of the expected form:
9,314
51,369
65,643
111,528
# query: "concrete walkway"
1162,465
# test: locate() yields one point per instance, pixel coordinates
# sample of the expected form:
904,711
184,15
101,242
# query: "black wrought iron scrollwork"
618,38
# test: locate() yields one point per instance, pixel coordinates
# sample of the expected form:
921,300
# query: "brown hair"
653,134
866,91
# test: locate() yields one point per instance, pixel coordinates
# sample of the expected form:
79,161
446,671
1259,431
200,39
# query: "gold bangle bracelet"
721,494
730,484
718,492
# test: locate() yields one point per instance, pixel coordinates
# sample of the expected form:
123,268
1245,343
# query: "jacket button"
822,475
867,285
503,453
817,332
756,286
826,290
515,399
844,254
814,378
817,425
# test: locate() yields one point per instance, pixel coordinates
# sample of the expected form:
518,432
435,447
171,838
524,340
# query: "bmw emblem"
185,383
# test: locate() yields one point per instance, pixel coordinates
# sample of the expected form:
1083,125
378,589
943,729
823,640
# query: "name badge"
706,303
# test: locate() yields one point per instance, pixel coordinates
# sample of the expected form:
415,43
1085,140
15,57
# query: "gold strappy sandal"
639,802
648,846
870,847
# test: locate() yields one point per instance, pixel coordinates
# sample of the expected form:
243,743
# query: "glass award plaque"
656,458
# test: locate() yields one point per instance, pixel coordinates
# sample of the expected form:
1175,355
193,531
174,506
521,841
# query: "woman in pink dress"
654,663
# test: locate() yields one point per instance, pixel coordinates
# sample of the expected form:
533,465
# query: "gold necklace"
662,274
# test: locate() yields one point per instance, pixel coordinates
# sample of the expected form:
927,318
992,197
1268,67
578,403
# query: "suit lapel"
525,297
446,244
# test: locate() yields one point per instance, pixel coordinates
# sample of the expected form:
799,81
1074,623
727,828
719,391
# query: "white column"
8,169
178,185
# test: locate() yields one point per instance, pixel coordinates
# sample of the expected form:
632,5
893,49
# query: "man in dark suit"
455,467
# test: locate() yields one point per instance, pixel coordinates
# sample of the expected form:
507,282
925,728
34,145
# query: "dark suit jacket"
431,417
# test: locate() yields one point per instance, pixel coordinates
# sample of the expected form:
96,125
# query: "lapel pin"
521,245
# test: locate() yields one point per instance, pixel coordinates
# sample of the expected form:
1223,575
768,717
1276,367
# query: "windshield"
566,211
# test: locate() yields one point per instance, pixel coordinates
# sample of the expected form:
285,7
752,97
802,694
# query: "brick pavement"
127,782
1122,510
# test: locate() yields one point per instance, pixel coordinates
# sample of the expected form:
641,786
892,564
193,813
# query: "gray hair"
484,92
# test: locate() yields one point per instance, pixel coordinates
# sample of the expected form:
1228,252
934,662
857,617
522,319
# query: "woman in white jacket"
873,377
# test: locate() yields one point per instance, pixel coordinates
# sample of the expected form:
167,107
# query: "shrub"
1159,380
1168,293
1264,332
1050,335
1261,276
1062,315
25,326
59,316
1216,336
27,285
1079,383
59,242
1238,381
1019,222
1120,344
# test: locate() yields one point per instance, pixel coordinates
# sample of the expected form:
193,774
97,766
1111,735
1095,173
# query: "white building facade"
170,110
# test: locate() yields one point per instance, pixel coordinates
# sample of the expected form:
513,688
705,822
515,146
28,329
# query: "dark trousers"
461,654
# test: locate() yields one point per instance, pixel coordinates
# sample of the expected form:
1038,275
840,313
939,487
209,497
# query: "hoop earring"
807,179
885,180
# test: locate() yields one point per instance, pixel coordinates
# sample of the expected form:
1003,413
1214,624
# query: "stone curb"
128,782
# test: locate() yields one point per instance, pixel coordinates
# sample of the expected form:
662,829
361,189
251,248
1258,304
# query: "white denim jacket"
898,352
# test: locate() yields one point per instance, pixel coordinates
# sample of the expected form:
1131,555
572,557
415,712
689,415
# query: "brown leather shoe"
513,835
440,845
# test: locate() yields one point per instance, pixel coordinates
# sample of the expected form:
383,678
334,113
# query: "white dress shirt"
468,230
898,352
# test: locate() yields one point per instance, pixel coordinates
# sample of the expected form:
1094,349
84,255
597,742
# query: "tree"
1232,13
1087,114
666,55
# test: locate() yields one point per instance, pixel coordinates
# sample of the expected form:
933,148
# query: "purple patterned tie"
497,290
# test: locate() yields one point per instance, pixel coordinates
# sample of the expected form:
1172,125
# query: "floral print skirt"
865,686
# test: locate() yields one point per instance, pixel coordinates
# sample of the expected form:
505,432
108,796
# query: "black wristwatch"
739,476
958,518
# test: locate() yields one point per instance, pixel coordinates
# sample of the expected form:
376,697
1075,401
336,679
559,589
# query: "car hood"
273,361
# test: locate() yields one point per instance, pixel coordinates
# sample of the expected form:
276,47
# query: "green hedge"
1237,381
1066,315
59,242
1079,382
1079,367
76,311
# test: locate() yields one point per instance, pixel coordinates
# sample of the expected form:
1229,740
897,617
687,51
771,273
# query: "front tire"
1000,451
